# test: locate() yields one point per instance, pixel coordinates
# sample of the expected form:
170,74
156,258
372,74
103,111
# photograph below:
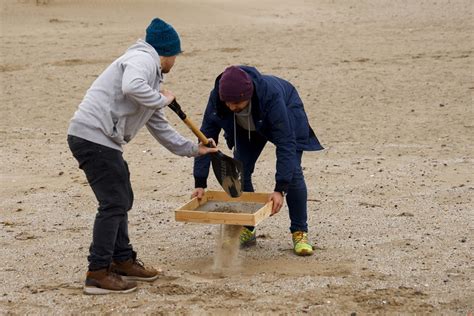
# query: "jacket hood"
143,46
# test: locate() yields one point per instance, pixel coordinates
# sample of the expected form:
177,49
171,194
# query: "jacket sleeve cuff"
281,187
194,150
200,182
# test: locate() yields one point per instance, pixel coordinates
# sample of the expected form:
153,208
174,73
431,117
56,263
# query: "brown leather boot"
105,281
133,269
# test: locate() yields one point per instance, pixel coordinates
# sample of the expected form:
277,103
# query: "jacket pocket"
117,130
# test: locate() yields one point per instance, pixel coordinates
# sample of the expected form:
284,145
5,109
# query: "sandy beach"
388,88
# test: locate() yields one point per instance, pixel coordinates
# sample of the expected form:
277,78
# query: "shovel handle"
196,131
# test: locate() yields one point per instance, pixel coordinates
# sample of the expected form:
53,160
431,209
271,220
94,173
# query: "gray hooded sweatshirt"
123,99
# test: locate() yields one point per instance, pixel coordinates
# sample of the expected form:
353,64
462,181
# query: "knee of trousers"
298,182
117,206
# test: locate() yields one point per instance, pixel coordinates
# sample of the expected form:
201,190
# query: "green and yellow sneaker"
248,238
301,247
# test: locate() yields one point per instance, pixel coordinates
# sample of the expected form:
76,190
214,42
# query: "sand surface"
388,87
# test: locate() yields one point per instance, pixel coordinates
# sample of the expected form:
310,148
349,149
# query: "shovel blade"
228,172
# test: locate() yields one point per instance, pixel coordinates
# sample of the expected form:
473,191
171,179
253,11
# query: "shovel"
227,170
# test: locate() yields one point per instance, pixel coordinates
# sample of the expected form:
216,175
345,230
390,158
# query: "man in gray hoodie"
123,99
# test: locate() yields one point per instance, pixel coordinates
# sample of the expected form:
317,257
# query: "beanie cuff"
168,53
236,98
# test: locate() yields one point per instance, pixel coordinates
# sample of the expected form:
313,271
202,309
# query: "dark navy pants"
248,152
108,176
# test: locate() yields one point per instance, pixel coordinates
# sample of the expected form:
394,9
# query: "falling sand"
226,258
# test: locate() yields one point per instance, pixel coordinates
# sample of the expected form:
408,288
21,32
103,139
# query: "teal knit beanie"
163,37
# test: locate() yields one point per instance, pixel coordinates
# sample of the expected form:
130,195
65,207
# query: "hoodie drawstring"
248,124
235,136
248,127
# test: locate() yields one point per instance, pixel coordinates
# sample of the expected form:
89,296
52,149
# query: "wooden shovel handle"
196,131
177,109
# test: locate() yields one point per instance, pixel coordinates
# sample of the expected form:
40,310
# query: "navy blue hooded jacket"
278,115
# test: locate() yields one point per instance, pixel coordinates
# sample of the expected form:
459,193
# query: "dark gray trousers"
108,176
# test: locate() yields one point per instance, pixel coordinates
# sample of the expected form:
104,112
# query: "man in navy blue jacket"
252,109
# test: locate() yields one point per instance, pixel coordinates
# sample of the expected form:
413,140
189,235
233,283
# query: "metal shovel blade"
228,172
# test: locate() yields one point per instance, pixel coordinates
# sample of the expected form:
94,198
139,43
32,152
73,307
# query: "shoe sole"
134,278
304,253
92,290
248,244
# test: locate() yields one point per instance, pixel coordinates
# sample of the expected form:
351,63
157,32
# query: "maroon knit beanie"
235,85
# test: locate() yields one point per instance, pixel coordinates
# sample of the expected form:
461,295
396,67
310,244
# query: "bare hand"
199,193
212,142
277,199
168,95
204,149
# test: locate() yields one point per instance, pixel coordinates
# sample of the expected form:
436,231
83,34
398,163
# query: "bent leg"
123,249
297,199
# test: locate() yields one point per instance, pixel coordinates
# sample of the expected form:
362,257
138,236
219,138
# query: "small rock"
25,236
407,214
